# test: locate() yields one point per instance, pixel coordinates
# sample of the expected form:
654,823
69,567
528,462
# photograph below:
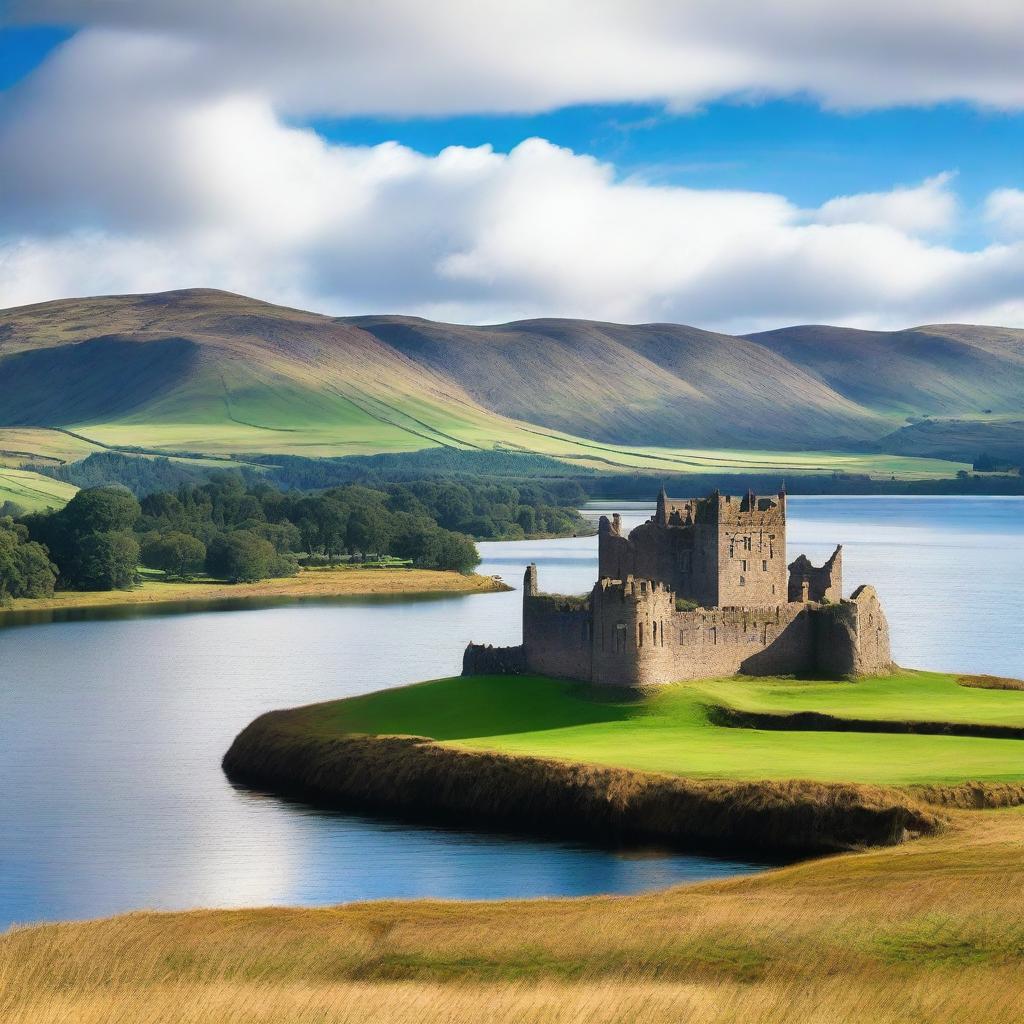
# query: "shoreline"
403,775
308,584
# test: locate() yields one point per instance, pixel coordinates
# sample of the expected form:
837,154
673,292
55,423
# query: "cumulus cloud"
156,150
925,208
410,57
1004,212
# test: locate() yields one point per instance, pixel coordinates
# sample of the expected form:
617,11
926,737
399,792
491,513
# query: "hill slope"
652,384
944,370
208,366
210,372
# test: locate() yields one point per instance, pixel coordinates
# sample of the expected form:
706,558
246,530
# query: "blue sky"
788,146
700,114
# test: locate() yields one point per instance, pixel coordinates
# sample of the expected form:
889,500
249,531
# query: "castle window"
743,581
712,635
747,541
764,565
743,565
654,632
640,635
620,636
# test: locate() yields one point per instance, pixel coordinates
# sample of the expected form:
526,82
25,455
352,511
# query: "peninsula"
306,585
703,694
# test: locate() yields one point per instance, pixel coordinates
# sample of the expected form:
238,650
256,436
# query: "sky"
736,166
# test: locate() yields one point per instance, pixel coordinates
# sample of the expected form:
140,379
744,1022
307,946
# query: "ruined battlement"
754,614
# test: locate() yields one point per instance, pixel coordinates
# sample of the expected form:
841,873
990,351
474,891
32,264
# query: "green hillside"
941,370
212,374
651,384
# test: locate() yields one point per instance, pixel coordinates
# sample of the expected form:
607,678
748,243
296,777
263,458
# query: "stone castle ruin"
702,589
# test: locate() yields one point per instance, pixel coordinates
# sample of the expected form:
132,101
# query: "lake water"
113,728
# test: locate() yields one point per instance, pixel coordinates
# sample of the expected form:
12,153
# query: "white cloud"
922,209
1004,212
408,56
132,161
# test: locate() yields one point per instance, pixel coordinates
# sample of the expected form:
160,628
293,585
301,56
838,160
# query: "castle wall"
557,636
808,582
852,638
630,633
485,660
751,553
660,645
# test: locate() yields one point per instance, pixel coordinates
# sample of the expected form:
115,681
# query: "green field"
33,490
670,730
365,435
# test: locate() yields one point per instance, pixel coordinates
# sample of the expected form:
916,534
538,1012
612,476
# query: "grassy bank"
673,764
675,730
928,932
309,584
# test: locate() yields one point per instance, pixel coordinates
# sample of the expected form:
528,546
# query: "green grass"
669,730
33,491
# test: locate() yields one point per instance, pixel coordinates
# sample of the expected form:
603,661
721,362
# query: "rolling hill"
210,374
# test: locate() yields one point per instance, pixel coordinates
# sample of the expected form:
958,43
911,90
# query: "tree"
242,557
90,539
106,561
25,567
454,551
99,510
177,554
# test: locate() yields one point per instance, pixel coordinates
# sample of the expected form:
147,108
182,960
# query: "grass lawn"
669,729
33,491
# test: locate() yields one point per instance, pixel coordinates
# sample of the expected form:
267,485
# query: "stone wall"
641,639
852,638
630,633
808,582
485,660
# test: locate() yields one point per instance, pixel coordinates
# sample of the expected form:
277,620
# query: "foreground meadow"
930,931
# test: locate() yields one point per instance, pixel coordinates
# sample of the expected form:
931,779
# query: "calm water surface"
113,728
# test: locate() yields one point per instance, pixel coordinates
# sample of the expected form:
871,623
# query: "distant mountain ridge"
203,359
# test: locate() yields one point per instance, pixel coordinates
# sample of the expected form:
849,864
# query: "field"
222,439
925,933
674,730
311,584
33,491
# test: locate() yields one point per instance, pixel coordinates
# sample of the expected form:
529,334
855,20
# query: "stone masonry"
701,589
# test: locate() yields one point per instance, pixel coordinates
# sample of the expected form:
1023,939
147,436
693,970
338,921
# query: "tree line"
237,531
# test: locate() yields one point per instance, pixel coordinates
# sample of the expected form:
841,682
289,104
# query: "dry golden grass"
308,584
930,931
991,682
